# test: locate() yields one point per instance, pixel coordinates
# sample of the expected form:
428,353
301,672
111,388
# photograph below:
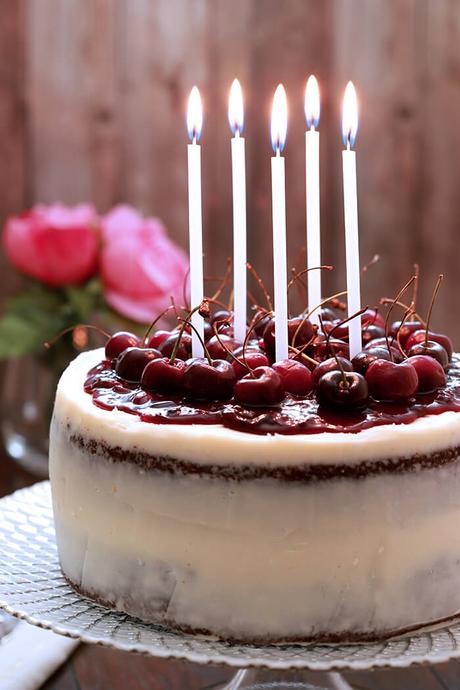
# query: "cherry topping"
430,373
390,381
157,338
163,376
205,381
342,390
420,335
184,349
262,387
119,342
431,349
252,359
331,364
132,362
295,377
215,346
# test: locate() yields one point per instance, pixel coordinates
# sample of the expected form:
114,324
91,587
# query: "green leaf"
20,336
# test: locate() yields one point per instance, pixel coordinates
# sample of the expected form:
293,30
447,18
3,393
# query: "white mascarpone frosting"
256,559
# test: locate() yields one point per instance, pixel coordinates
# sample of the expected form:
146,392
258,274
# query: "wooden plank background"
92,107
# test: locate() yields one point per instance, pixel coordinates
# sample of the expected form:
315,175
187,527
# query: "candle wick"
348,141
237,132
194,138
312,127
278,152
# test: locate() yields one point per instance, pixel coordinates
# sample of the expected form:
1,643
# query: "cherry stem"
251,328
341,323
228,351
433,300
184,323
375,259
299,274
387,318
398,303
156,319
49,343
326,301
261,285
413,303
184,289
203,344
299,352
407,313
345,383
224,281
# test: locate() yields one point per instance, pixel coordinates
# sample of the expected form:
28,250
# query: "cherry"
216,349
324,348
381,342
163,376
295,377
344,391
303,328
431,349
221,315
252,360
252,346
132,362
261,322
269,337
364,359
205,381
262,387
371,317
119,342
390,381
185,346
208,330
327,314
402,331
157,338
420,335
430,373
371,333
331,365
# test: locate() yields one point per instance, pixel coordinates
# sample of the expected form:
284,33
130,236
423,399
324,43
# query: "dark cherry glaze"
293,415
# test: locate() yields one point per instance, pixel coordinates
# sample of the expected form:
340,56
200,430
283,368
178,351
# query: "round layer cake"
242,526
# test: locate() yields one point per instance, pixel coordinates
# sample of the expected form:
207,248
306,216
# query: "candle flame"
349,115
279,119
235,108
312,103
194,115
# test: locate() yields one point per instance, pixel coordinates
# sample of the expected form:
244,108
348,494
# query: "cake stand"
33,588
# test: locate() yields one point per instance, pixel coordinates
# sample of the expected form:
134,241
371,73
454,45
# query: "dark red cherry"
157,338
419,337
330,364
185,346
300,328
252,346
269,337
371,333
381,342
324,349
221,315
119,342
431,349
262,387
364,359
132,362
204,381
163,376
295,377
391,381
328,326
431,375
347,391
405,330
327,314
371,317
252,360
261,321
208,330
217,350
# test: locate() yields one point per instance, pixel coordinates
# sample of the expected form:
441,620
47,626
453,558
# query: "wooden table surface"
95,668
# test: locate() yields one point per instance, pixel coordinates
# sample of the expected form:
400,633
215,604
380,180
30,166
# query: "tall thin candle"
194,126
312,111
350,200
236,120
278,136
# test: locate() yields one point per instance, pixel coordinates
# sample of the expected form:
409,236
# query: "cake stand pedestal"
32,587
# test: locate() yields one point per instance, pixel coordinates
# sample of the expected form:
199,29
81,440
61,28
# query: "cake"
290,518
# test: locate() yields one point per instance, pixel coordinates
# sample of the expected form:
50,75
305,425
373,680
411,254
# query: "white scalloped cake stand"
32,587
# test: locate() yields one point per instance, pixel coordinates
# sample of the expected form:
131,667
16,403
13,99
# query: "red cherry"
157,338
252,360
371,333
269,337
185,346
390,381
132,362
216,349
204,381
261,321
364,359
371,317
222,315
342,391
262,387
381,342
323,349
331,365
431,349
295,377
119,342
300,328
405,330
431,375
419,337
163,376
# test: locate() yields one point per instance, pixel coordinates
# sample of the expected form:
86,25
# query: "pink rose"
141,267
54,244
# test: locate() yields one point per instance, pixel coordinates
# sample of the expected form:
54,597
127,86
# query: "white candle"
312,110
236,120
278,135
350,200
194,125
